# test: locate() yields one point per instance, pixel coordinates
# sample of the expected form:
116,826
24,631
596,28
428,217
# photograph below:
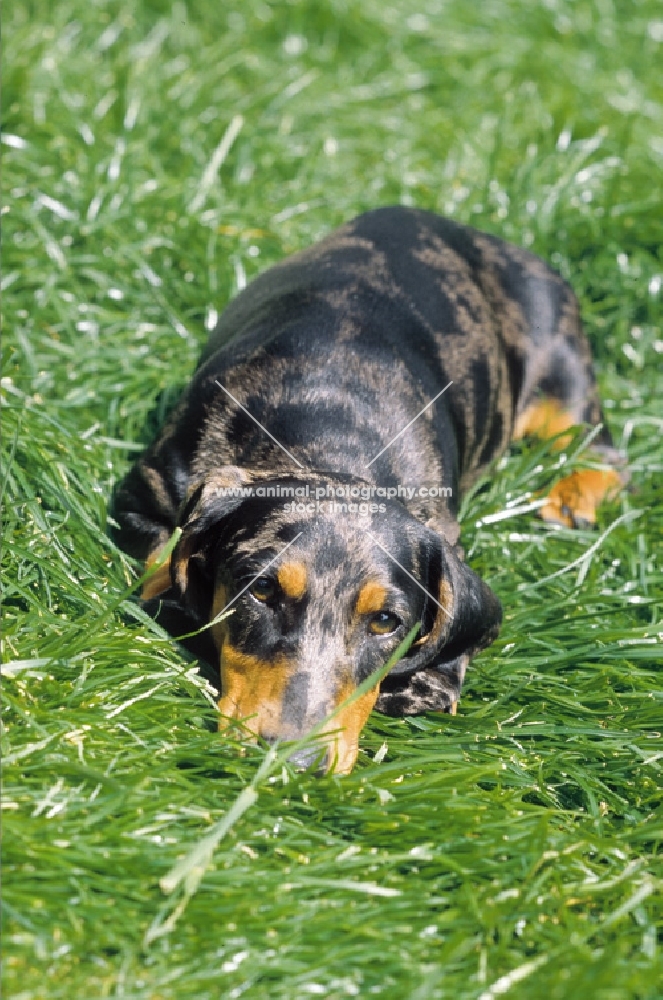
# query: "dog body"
317,385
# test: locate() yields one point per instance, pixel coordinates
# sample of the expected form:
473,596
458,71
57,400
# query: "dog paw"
573,501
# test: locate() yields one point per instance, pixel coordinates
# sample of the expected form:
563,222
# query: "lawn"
157,156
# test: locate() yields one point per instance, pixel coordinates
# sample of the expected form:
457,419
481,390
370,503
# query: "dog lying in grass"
315,463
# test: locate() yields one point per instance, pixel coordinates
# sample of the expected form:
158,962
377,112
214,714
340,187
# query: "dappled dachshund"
316,483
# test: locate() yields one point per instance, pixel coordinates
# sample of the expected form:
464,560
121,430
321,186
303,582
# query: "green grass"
513,850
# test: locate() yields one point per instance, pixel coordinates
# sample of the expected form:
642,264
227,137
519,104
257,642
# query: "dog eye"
263,589
383,623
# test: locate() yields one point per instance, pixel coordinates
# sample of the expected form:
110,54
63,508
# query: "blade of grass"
189,870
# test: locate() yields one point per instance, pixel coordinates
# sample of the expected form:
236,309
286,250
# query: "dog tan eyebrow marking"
371,598
292,579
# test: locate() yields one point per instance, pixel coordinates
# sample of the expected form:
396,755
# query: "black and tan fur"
335,351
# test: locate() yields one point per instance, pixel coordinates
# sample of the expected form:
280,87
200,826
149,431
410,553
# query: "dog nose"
308,756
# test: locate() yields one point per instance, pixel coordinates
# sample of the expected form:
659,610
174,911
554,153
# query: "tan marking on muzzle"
253,690
292,580
346,727
371,598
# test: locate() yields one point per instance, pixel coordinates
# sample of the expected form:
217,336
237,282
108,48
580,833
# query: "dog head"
322,591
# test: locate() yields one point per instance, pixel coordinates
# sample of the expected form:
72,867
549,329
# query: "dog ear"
204,518
461,615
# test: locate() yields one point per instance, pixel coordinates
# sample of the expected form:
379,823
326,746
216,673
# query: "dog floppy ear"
461,615
203,519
